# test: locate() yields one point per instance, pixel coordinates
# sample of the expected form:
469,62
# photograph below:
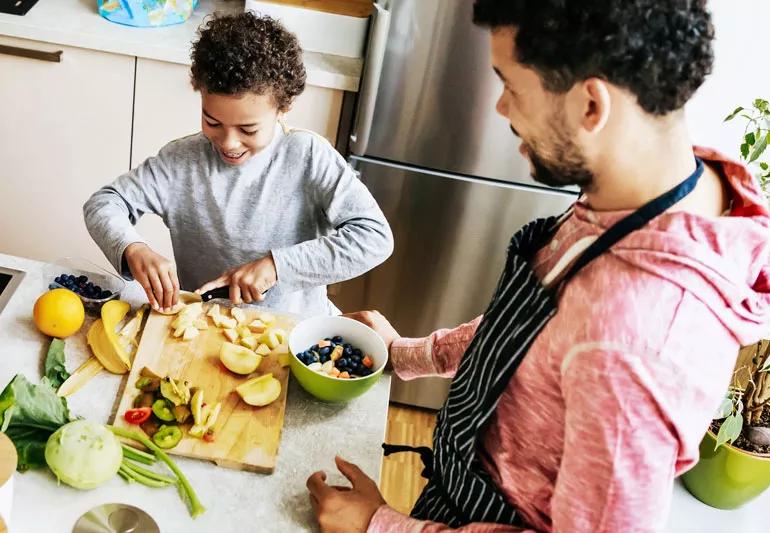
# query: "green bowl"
727,477
325,387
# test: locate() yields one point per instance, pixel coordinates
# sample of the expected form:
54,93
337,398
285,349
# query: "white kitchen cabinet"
166,108
65,131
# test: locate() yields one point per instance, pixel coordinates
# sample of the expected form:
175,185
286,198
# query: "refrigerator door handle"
370,83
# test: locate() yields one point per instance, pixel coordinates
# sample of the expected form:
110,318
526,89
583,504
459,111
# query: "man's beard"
564,166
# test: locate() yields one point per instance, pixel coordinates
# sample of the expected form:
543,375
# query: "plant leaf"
730,430
764,166
750,138
733,114
55,370
759,148
31,413
724,410
765,366
761,104
745,150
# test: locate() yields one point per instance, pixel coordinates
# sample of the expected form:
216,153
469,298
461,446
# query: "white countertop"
235,501
77,23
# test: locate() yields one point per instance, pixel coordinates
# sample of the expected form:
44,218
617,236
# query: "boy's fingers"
221,281
174,285
235,294
157,287
145,283
168,290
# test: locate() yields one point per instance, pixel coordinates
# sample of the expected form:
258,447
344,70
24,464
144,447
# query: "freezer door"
429,93
451,235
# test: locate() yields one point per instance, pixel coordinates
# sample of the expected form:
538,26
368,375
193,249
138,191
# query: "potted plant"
734,465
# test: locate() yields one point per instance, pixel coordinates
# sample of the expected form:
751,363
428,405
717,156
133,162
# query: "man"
585,388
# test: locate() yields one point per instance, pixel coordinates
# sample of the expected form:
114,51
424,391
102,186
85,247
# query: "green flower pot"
728,477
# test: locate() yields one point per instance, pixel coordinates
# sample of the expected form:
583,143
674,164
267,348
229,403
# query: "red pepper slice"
138,415
208,436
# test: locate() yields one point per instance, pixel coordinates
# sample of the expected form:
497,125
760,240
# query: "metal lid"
115,518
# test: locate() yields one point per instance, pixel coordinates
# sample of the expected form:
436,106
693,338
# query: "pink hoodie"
615,394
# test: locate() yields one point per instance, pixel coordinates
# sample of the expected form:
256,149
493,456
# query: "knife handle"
219,293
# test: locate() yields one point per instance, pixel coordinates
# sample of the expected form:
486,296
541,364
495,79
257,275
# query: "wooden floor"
400,482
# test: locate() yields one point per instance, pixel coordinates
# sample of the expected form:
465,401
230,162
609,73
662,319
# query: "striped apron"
459,489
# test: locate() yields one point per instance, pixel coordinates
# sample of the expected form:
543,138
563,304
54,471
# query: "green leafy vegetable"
30,414
54,364
730,429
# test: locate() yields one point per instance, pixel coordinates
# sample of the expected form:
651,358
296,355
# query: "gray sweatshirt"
297,198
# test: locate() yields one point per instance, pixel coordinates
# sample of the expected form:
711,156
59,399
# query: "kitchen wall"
740,75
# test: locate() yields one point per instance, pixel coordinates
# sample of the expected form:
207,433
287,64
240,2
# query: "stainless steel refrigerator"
444,167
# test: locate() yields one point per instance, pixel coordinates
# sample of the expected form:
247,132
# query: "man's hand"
247,282
344,509
155,273
378,323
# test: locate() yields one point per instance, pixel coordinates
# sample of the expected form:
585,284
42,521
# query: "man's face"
538,117
238,126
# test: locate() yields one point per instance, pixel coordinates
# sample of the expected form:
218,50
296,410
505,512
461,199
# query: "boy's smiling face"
238,125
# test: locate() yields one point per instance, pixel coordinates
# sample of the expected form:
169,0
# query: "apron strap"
636,220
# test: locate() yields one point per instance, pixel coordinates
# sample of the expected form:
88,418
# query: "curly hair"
660,50
241,53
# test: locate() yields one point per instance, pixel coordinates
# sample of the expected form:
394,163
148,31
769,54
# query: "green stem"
142,479
125,476
139,456
147,473
196,508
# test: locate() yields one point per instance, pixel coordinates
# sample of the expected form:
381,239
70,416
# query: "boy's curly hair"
245,52
660,50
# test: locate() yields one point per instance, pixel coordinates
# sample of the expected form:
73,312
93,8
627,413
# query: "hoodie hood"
723,261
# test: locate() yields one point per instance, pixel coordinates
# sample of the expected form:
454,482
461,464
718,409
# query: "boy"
249,203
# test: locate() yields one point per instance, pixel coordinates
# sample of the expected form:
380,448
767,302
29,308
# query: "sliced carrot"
368,362
344,375
334,372
324,344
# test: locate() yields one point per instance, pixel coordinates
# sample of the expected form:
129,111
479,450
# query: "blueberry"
82,279
315,355
97,288
314,347
348,352
57,279
52,286
104,294
357,352
71,278
324,358
366,371
325,351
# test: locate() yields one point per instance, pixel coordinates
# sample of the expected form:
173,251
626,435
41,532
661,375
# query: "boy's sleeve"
112,212
361,238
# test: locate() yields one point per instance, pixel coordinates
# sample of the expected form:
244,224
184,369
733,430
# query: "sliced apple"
280,335
190,333
281,349
284,359
231,334
257,326
263,350
250,342
225,322
244,331
239,359
200,323
191,310
238,315
267,318
214,311
260,391
270,338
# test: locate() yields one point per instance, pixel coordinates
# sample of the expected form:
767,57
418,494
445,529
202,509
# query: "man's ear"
596,105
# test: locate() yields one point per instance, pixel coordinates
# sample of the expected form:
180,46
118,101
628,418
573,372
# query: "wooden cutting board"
351,8
246,437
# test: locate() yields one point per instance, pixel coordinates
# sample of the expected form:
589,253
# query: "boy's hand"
155,273
343,509
247,282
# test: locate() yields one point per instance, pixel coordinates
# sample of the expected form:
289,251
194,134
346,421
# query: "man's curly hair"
659,50
241,53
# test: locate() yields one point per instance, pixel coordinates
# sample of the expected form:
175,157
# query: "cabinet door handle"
54,57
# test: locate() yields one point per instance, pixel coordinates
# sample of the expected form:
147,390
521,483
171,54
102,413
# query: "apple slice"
284,359
257,326
239,359
267,318
263,350
190,333
238,315
260,391
225,322
231,334
270,338
200,323
244,331
249,342
214,311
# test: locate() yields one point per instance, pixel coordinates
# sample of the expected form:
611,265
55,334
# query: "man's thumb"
349,470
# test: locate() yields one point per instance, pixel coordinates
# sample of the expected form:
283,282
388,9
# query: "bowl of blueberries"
336,358
93,284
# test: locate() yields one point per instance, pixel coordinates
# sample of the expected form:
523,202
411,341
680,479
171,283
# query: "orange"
59,313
